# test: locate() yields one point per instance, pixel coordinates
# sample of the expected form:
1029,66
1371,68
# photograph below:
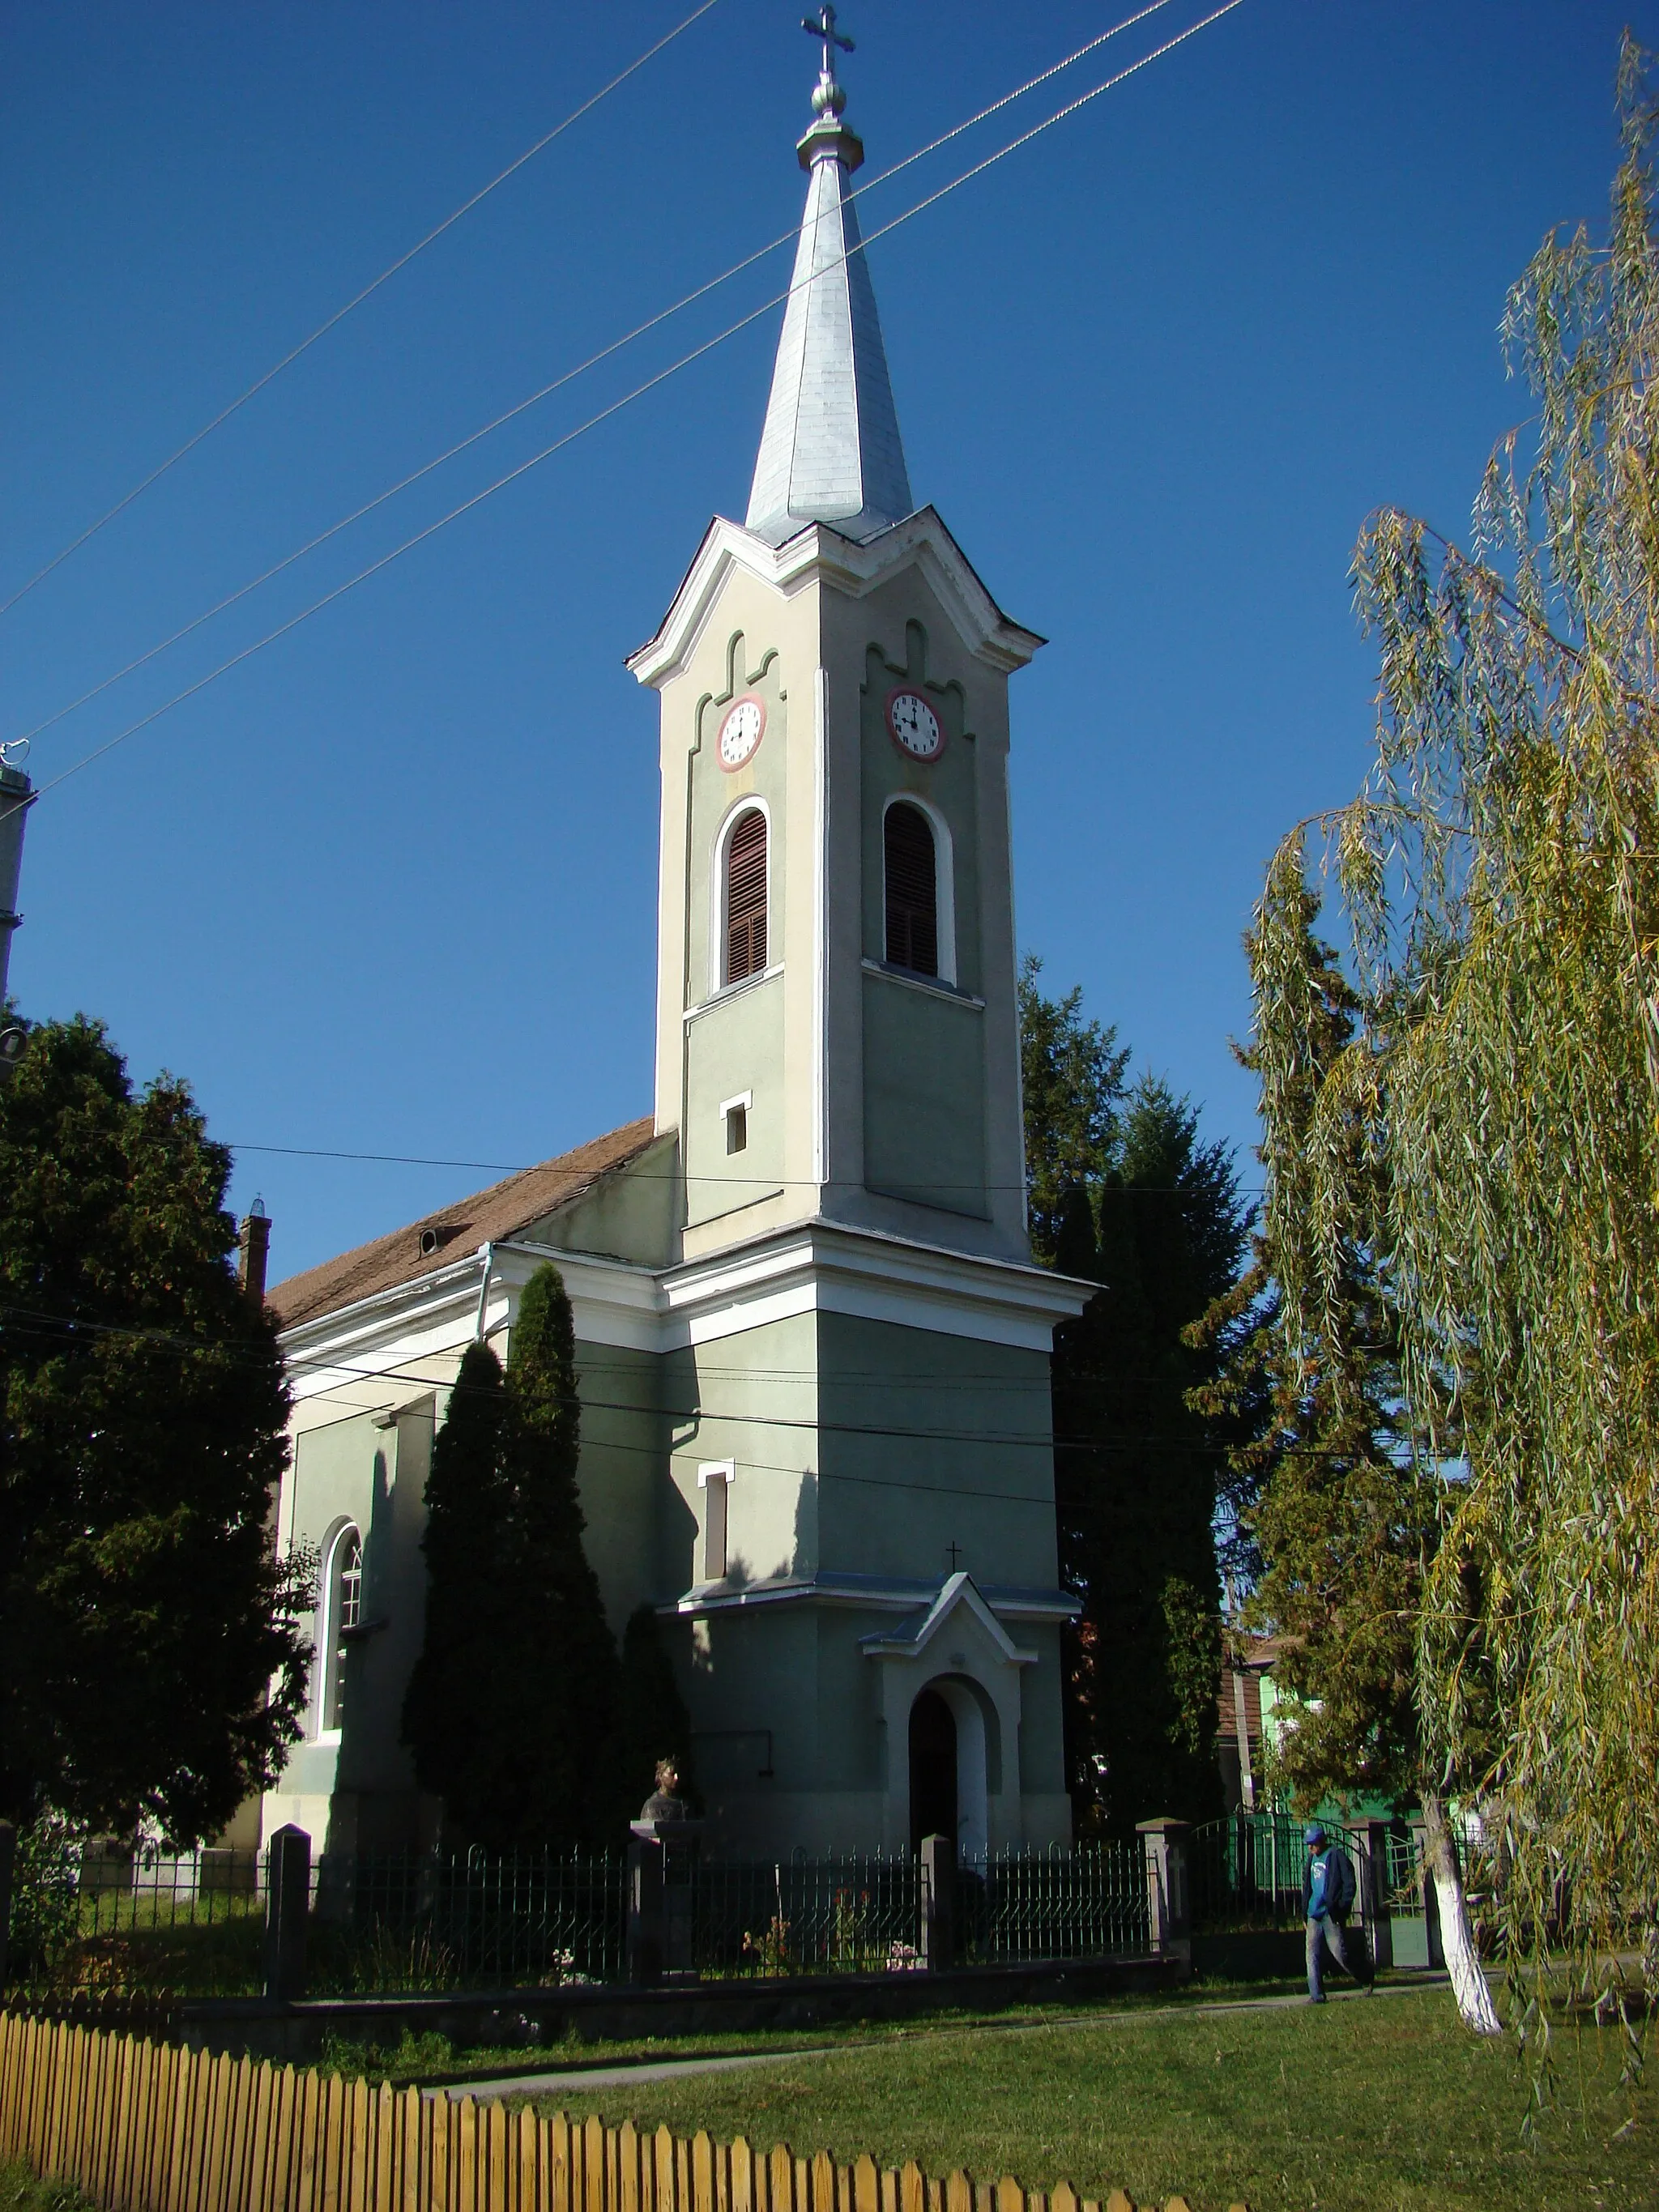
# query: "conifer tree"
1071,1082
1137,1471
1128,1196
454,1716
152,1654
1330,1519
512,1711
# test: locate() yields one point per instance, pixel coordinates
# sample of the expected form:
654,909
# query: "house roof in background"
505,1209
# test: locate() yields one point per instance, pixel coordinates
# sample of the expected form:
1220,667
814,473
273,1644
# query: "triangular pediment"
819,554
959,1595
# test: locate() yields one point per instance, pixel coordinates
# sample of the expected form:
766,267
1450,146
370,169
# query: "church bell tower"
837,1030
859,1521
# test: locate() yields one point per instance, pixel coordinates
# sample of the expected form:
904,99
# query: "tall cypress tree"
566,1655
453,1709
512,1711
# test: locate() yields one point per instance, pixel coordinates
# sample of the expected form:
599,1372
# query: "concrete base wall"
516,2018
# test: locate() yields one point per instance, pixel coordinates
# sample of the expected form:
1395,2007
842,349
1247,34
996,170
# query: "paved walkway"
607,2077
600,2076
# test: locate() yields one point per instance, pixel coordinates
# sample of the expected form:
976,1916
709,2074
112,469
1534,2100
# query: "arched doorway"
932,1769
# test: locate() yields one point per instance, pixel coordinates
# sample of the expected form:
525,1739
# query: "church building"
812,1343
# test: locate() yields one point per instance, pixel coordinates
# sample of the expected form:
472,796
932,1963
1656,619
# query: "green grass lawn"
429,2057
20,2190
1383,2106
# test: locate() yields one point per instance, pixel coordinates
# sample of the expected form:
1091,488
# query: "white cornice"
816,1266
820,1266
927,1608
819,553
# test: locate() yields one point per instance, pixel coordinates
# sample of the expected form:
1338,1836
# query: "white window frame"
750,803
715,1478
742,1103
328,1641
945,885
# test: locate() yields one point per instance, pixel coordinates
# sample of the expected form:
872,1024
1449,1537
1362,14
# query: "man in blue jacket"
1328,1888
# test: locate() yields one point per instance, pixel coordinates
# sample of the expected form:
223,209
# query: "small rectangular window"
714,1482
734,1119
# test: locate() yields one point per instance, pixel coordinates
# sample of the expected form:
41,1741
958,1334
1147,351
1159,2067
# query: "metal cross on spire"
824,29
828,99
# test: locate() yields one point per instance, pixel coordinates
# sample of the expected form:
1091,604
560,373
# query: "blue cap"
1316,1834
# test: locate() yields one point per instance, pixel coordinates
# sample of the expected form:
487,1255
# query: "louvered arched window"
912,876
745,897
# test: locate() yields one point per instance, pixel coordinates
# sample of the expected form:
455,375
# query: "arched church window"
346,1613
745,897
912,876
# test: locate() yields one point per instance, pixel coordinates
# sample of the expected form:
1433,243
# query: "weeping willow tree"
1489,1134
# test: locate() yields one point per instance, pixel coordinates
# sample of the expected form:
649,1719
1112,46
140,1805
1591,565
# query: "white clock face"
740,732
916,729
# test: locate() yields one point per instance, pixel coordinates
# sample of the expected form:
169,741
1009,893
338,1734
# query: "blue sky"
390,885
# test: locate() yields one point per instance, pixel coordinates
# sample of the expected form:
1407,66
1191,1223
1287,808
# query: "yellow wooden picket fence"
150,2127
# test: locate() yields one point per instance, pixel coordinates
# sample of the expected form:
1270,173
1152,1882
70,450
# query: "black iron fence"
420,1920
1087,1904
95,1916
90,1919
1246,1872
835,1915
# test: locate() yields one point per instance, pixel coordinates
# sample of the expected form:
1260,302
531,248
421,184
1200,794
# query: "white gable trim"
958,1595
818,552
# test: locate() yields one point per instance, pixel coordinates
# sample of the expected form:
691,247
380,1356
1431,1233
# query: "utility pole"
16,797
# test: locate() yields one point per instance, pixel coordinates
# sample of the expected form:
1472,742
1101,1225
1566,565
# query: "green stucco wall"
924,1095
930,1440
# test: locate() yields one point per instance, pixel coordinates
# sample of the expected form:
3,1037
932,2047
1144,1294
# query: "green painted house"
814,1348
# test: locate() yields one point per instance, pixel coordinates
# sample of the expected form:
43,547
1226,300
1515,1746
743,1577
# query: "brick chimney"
252,1251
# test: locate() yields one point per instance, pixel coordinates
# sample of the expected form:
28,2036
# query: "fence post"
288,1904
644,1912
1374,1894
1432,1945
8,1862
937,1946
1165,1844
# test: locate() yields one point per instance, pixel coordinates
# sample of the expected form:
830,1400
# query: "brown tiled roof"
505,1209
1228,1708
1252,1657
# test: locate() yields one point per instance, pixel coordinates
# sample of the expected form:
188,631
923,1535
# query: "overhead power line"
356,301
558,383
604,414
654,1175
410,1377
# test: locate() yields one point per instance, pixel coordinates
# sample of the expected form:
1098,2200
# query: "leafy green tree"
1500,877
512,1711
654,1722
152,1657
1071,1079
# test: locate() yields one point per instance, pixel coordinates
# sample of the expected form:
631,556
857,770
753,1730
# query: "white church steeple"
830,450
